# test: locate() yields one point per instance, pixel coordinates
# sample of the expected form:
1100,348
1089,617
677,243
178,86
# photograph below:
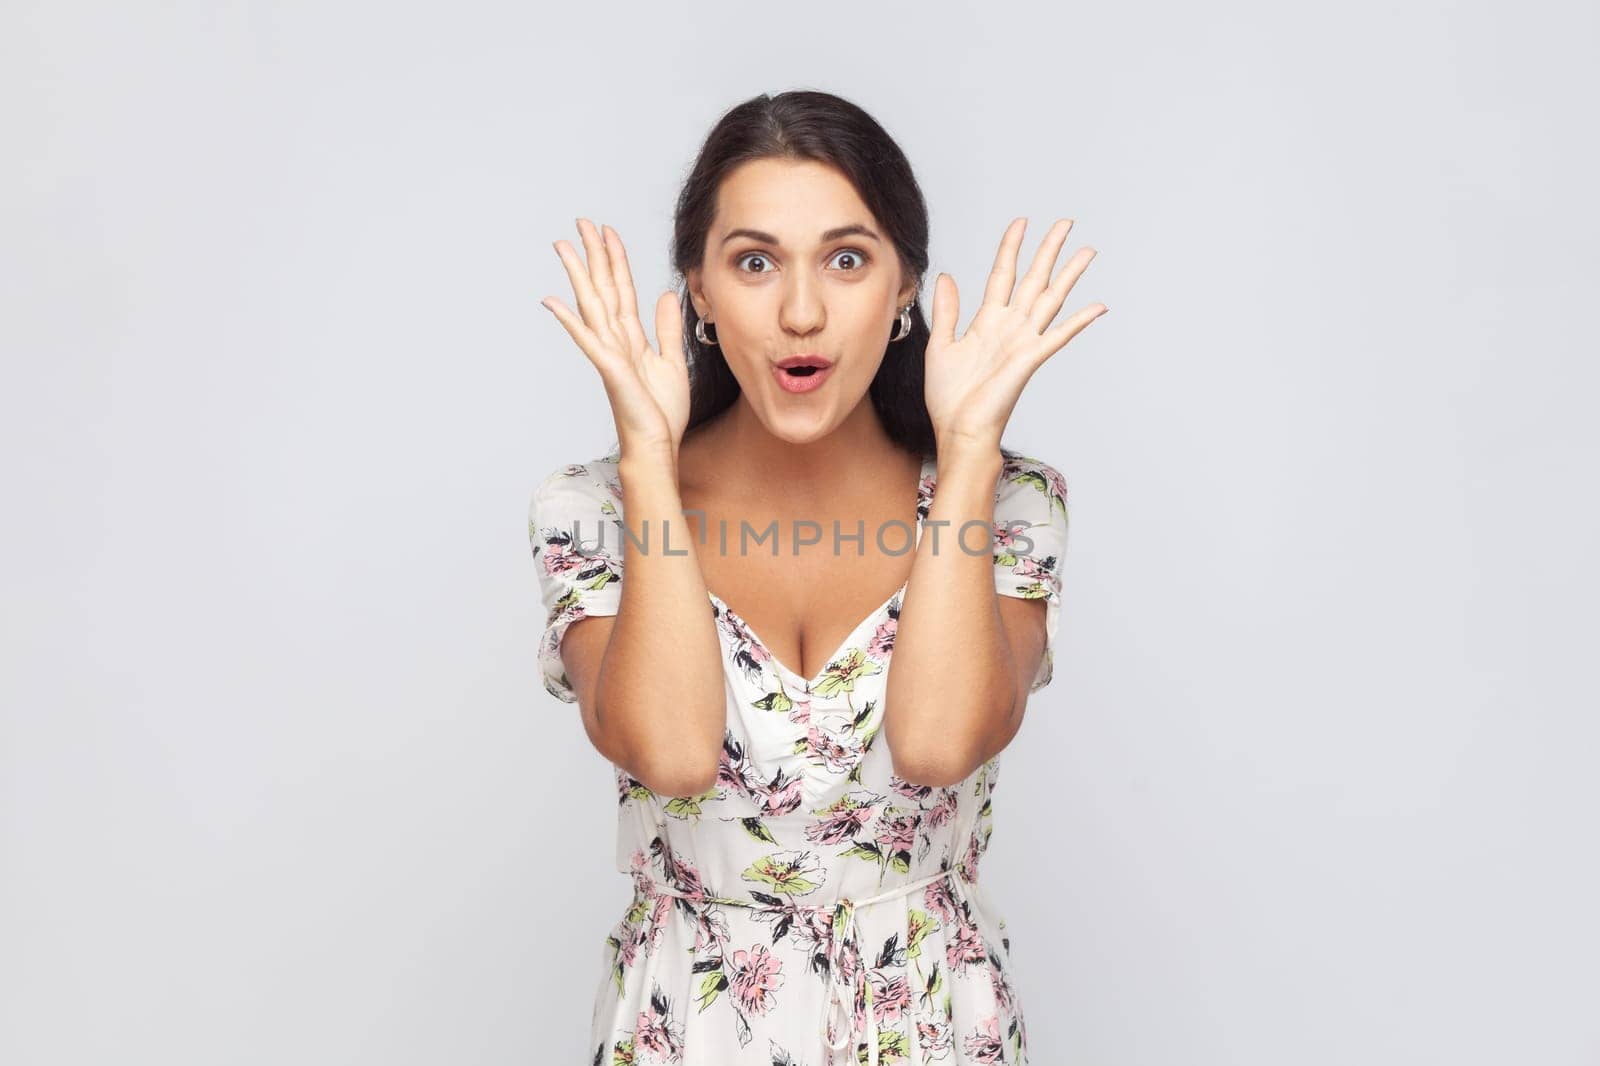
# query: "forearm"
951,685
660,694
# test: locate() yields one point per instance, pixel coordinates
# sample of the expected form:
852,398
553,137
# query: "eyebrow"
854,229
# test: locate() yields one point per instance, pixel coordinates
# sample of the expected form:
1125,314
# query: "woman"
802,825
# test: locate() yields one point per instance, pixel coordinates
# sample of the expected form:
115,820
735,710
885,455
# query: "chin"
793,427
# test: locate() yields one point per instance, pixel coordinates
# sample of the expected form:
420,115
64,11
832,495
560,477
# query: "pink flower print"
562,558
1057,484
783,796
1031,569
1004,997
628,947
964,946
744,637
839,754
800,711
974,852
940,899
660,912
841,821
881,643
756,975
891,996
685,878
734,773
655,1034
933,1035
983,1042
944,810
1005,537
897,831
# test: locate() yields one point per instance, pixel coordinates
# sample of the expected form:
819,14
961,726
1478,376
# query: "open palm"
648,391
971,385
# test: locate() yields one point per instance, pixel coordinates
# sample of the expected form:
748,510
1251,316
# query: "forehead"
794,200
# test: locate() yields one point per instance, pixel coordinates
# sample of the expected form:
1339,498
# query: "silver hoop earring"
904,324
700,333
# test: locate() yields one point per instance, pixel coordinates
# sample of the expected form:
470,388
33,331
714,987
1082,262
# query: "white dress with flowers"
811,907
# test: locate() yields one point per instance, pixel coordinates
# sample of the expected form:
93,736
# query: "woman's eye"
857,259
756,256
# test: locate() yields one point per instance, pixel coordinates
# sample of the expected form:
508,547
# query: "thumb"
946,306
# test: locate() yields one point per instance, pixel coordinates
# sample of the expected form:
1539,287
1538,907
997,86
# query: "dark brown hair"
820,127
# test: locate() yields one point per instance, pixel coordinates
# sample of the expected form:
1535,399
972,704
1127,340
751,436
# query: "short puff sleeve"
577,551
1030,525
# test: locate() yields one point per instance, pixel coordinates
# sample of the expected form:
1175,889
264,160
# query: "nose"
801,311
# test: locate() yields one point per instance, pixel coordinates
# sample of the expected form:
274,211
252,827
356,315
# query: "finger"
669,328
1044,261
946,310
1044,309
589,302
575,327
627,298
1056,339
594,250
1004,272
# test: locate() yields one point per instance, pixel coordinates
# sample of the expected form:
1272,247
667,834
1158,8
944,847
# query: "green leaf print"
617,967
711,987
863,849
892,1047
757,829
622,1055
918,925
774,701
689,806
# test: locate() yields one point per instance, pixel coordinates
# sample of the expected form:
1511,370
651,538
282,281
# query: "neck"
754,456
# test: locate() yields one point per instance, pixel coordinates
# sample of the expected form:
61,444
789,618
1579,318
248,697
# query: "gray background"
278,781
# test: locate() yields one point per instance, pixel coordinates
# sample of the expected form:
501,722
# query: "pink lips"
808,379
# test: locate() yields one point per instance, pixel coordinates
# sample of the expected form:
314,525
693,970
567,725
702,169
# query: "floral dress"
811,907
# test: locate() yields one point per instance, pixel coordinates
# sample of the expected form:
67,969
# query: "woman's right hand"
649,391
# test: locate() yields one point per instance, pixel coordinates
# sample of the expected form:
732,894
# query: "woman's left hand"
971,385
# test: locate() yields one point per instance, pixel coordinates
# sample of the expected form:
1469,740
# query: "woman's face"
781,278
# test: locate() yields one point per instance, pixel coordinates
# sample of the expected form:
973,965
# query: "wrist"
647,456
956,449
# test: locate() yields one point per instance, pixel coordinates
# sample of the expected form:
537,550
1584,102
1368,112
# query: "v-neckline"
834,656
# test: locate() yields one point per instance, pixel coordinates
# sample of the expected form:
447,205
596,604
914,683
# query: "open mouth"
804,375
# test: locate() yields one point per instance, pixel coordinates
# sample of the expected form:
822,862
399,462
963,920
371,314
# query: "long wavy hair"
823,128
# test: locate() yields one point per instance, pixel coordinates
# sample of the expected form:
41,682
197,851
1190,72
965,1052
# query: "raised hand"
972,385
648,390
